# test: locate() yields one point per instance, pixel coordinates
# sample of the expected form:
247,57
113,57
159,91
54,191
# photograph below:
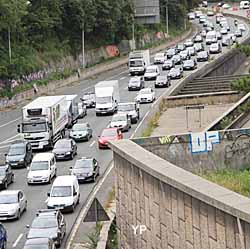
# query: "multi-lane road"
37,195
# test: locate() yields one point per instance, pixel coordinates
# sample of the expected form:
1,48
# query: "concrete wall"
198,152
178,209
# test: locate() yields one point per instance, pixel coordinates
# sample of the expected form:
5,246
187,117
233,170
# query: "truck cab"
138,62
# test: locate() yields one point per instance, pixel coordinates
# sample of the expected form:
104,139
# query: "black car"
86,169
65,149
88,99
6,176
175,73
44,243
168,64
136,83
177,59
19,154
190,65
162,81
3,237
48,223
202,56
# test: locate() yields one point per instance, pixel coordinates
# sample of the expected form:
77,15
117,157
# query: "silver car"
120,121
12,204
81,132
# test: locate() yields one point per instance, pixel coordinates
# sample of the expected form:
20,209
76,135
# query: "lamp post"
167,16
83,47
133,32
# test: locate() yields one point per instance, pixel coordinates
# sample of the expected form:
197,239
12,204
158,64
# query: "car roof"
37,241
9,192
152,66
43,156
126,103
64,180
113,128
120,114
64,140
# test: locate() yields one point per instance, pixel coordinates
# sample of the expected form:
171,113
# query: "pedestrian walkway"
176,121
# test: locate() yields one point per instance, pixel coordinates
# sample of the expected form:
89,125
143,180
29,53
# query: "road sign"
96,213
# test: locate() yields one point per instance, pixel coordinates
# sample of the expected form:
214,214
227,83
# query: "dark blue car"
3,237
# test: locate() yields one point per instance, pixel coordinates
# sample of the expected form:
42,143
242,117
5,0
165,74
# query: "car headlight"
68,153
21,160
7,160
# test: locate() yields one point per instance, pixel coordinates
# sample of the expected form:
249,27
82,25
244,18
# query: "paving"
174,120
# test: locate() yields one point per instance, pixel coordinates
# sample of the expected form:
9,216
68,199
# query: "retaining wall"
178,209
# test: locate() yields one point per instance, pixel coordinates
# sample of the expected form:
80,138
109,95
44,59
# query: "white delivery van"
64,193
211,37
244,5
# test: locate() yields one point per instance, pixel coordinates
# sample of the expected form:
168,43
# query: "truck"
72,109
44,121
138,62
107,97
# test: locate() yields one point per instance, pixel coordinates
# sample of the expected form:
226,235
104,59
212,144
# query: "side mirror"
48,194
18,130
27,226
75,193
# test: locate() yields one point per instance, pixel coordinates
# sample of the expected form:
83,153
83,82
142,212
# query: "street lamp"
133,32
83,47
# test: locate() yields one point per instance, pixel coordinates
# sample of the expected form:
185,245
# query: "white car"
226,6
146,95
151,72
159,58
215,48
242,27
42,168
189,43
12,204
120,121
191,16
223,31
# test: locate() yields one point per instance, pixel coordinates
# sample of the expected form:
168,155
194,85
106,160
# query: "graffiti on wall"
203,141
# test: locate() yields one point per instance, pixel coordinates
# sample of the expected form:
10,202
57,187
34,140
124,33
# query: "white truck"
72,108
138,62
44,121
107,97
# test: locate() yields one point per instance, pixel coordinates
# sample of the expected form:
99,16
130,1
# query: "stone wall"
178,209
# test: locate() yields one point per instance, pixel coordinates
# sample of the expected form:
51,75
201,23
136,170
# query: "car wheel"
72,156
55,173
5,185
73,208
78,200
94,178
49,181
12,179
25,208
4,246
19,215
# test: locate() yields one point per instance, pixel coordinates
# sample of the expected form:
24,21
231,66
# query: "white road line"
114,76
122,78
10,139
17,240
10,122
87,206
92,144
138,126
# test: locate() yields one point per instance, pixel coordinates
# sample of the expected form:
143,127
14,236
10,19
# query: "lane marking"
122,78
17,240
10,139
10,122
92,144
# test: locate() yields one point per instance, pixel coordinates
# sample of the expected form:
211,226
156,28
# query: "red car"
109,134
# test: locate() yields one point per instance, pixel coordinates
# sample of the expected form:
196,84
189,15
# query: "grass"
235,180
112,242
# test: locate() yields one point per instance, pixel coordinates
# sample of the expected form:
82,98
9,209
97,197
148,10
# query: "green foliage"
243,48
235,180
225,122
242,84
112,242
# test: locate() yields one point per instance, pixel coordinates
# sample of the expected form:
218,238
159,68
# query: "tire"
4,245
5,185
94,178
18,215
73,208
25,209
78,200
49,181
12,179
71,156
55,173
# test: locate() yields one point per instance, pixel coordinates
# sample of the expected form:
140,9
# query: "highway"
37,195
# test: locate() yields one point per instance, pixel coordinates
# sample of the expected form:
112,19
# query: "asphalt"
37,195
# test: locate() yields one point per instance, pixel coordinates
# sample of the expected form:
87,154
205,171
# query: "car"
175,73
191,51
6,176
184,55
85,169
202,19
223,31
233,37
242,27
203,33
210,13
226,41
159,58
191,16
204,4
198,38
225,26
162,81
3,237
151,72
170,52
218,17
146,95
65,148
19,154
215,48
180,47
220,4
42,243
189,43
189,64
168,64
108,134
82,110
12,204
205,23
238,33
218,35
48,223
177,59
202,56
226,6
81,132
120,121
88,99
132,109
198,47
198,13
42,169
136,83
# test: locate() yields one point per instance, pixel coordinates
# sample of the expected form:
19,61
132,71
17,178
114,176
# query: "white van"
244,5
64,193
152,72
42,168
211,37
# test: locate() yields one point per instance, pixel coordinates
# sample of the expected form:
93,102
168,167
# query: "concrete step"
198,91
209,84
219,78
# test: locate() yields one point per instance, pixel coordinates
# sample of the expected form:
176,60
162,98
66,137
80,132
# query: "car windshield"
103,100
180,46
128,107
79,127
135,63
62,144
16,150
215,46
150,70
2,171
118,118
183,53
202,53
109,133
88,96
41,165
188,63
160,78
160,55
168,62
145,91
44,222
8,199
61,191
35,127
171,51
87,163
41,246
134,80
